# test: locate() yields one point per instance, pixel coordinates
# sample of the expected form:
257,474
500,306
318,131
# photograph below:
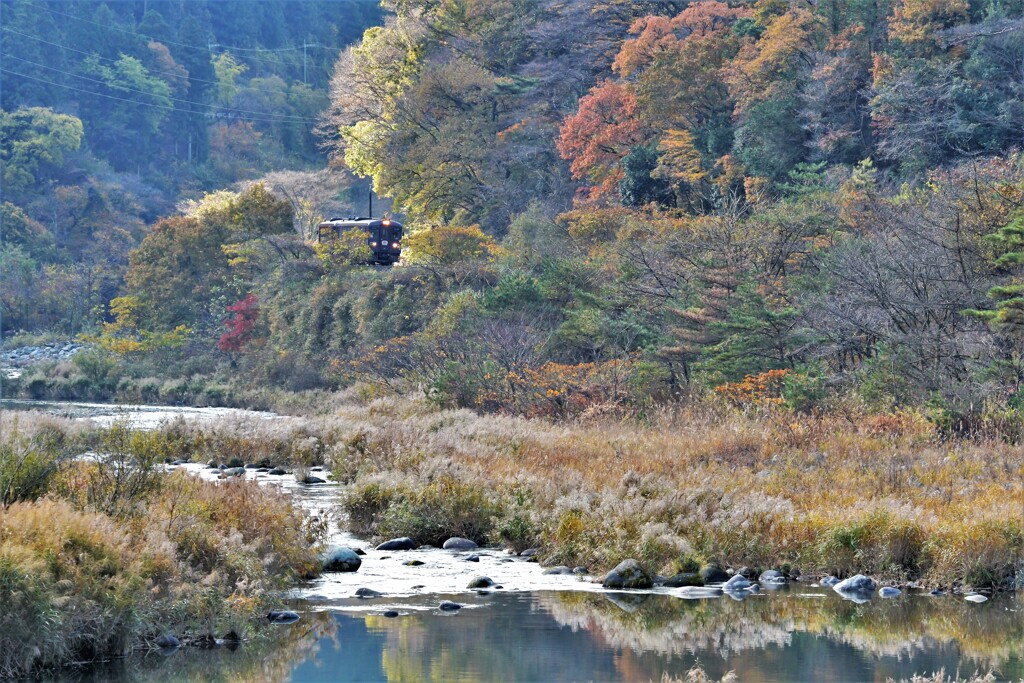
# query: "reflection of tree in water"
669,625
270,654
990,636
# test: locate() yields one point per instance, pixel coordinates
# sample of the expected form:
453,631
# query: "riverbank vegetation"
676,489
103,555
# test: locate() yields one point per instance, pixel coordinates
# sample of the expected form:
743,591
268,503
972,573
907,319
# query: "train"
384,236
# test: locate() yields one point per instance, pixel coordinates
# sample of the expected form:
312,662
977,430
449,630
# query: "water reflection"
586,636
798,635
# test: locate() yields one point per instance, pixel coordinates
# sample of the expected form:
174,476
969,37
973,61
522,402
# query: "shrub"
27,463
431,513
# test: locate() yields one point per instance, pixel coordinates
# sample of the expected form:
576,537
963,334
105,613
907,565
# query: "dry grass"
103,563
825,494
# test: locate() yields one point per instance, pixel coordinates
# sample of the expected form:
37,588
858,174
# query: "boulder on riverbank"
341,559
456,543
367,593
480,582
449,606
404,543
628,574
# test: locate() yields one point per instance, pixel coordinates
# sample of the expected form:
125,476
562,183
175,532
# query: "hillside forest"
611,205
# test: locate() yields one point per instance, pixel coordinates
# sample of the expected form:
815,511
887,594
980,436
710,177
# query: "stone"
391,614
560,570
359,551
404,543
712,573
212,465
167,642
414,563
975,597
772,576
529,552
889,592
312,480
628,574
277,472
745,572
235,472
480,582
449,606
456,543
684,579
580,571
856,584
252,466
738,582
472,558
367,593
280,616
829,581
341,559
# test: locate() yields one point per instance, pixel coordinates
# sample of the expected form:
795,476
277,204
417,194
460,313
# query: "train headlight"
395,245
373,244
386,221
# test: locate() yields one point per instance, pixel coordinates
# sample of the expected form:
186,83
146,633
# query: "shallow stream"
567,628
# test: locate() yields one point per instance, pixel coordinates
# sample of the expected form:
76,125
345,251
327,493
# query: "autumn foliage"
241,325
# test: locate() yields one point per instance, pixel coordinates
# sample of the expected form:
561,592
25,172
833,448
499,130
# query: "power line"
122,99
281,117
167,41
191,78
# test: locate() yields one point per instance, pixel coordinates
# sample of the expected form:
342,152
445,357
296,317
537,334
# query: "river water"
566,628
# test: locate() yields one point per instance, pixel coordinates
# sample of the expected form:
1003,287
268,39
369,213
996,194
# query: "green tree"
33,142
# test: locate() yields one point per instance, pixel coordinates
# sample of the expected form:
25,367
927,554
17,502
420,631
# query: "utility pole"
303,61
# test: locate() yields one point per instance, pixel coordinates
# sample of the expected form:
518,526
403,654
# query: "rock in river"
404,543
683,579
772,576
367,593
480,582
889,592
856,584
414,563
167,642
975,597
829,581
341,559
472,558
391,614
456,543
559,570
737,583
280,616
277,472
628,574
712,573
449,606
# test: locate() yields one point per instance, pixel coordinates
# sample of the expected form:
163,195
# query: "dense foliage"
112,113
777,204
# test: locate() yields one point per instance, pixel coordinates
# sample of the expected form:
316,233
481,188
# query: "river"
567,628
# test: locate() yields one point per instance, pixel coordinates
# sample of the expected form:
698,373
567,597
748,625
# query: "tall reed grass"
106,553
